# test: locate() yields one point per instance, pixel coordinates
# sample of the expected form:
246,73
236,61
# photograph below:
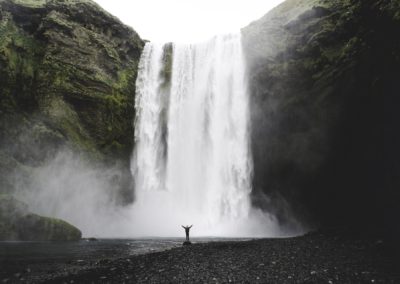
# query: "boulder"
17,223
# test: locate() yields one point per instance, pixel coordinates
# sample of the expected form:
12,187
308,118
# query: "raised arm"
190,226
183,226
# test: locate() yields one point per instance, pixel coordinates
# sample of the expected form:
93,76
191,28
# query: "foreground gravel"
314,258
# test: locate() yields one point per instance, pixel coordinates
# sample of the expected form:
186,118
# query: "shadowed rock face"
324,75
67,79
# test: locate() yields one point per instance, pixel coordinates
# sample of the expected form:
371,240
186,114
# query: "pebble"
264,260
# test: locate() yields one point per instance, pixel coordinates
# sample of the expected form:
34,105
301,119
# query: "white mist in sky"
187,20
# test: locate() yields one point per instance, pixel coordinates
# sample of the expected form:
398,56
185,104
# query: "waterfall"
192,161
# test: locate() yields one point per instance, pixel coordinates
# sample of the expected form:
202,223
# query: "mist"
70,187
73,188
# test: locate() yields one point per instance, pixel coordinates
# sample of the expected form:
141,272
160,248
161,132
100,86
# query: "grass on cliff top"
30,3
42,3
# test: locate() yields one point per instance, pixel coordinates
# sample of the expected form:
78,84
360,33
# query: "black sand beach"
314,258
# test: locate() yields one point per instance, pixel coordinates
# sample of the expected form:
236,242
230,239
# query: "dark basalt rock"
324,79
314,258
186,243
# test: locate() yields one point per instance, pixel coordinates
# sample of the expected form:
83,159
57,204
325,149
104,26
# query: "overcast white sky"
186,20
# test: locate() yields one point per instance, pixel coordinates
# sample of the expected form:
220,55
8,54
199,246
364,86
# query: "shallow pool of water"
84,249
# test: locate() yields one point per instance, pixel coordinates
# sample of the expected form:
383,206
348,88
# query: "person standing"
187,229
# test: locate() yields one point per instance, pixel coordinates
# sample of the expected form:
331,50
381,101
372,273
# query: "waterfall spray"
192,161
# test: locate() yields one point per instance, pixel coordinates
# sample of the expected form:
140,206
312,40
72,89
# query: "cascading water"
192,162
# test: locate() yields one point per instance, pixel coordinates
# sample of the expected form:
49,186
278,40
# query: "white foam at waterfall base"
192,161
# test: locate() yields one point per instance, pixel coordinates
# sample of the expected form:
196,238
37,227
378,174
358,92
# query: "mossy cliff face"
67,79
322,75
74,64
17,223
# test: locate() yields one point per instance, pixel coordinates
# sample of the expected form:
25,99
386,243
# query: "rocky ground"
314,258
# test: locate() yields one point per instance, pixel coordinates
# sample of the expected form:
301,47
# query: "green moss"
126,79
117,103
112,53
56,229
73,67
17,223
31,3
59,19
351,46
20,55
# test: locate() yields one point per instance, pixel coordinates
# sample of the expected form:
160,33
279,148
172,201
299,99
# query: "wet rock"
90,239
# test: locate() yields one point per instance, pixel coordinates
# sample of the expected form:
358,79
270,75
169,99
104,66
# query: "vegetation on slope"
67,79
17,223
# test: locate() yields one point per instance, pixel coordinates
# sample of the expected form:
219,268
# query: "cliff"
324,77
67,83
67,79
